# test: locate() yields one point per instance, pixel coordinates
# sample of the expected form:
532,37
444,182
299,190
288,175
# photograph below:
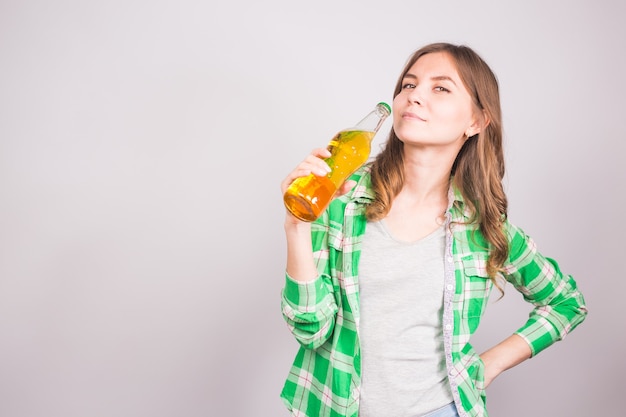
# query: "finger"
345,187
316,161
304,170
312,164
321,152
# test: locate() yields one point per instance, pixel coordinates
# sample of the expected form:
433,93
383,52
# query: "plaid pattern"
323,315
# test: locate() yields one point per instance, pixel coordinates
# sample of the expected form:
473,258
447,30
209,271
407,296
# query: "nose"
414,96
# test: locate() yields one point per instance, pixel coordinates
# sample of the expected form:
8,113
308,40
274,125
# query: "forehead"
434,64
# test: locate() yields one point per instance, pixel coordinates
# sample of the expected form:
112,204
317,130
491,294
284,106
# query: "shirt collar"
456,203
363,192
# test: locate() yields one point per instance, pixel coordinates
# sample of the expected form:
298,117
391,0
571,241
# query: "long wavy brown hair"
479,166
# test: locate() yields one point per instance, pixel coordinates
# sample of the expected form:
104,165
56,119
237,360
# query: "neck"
427,174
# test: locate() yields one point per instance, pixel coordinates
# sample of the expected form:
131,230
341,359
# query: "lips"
412,116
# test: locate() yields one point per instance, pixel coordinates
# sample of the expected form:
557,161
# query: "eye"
441,89
407,86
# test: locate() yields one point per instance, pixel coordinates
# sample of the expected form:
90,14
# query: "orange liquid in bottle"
307,197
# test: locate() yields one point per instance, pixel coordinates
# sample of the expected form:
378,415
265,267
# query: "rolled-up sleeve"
559,306
309,309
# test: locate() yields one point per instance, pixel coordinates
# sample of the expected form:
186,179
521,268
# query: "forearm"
308,303
300,264
505,355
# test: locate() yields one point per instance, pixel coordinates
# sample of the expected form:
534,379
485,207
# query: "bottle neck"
374,120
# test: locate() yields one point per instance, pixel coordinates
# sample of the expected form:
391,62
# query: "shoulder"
518,239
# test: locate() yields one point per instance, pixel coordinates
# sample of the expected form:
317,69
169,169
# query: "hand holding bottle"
315,163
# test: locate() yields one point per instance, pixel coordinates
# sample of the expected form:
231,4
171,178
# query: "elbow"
311,330
313,340
580,314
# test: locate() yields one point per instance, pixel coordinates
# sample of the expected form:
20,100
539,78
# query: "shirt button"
448,326
449,258
449,287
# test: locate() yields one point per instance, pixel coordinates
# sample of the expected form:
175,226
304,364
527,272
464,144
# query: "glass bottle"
307,197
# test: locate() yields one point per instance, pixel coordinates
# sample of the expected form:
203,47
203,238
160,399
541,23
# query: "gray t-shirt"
401,301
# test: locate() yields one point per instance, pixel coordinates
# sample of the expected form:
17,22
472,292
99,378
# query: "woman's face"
433,107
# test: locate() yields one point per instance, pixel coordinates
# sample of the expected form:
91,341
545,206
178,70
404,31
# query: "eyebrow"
435,78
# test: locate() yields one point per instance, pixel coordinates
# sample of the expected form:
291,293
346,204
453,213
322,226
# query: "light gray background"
142,144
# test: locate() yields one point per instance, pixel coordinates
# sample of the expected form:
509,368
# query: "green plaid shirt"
323,315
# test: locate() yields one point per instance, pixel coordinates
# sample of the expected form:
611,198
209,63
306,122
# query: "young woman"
385,289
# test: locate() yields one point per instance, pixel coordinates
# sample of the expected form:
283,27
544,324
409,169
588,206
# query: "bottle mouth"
385,105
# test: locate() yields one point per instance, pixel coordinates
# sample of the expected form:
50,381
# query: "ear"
478,124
